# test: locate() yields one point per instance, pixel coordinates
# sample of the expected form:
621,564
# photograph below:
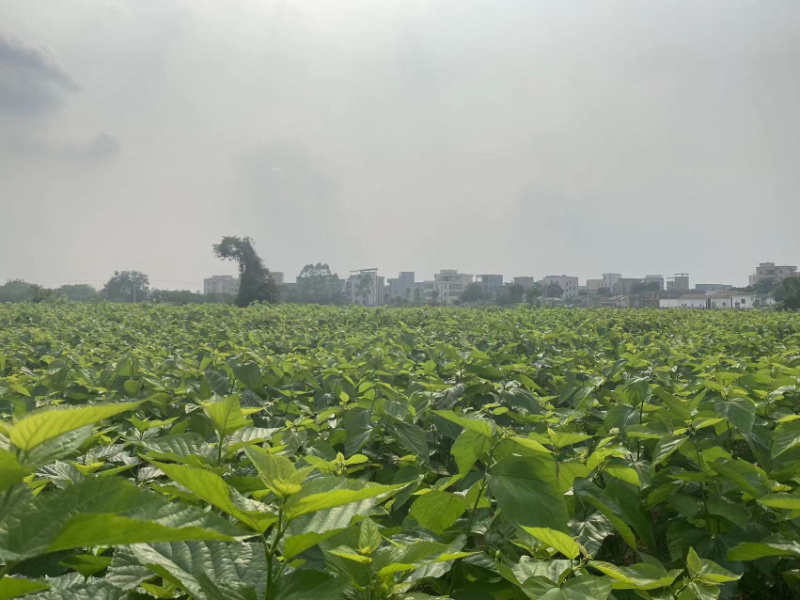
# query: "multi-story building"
610,279
277,276
227,285
592,285
678,283
712,287
402,287
659,279
366,288
568,284
771,271
525,281
491,284
449,285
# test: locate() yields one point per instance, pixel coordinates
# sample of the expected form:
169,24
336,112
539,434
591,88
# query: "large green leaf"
227,415
213,489
303,585
438,510
14,587
518,484
202,569
467,448
641,576
30,431
329,492
103,511
556,539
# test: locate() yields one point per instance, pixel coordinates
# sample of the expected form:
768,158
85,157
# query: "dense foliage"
256,283
291,453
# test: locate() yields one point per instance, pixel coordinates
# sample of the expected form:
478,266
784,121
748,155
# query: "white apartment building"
402,287
450,284
491,284
771,271
221,284
365,288
611,279
277,276
568,284
525,281
592,285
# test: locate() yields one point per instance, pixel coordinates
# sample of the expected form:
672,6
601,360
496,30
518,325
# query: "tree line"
315,284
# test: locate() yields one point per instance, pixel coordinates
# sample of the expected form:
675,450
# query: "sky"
522,137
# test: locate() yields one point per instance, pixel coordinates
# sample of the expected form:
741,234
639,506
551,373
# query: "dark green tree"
77,292
17,290
510,294
317,285
553,291
473,292
255,282
791,293
127,286
534,293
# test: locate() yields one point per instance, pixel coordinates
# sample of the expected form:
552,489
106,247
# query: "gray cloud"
31,81
100,147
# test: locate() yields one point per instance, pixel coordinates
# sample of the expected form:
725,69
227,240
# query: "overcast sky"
521,137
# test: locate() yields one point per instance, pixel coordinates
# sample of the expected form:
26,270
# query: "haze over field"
514,136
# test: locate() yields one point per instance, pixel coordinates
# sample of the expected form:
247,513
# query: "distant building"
628,285
732,300
622,301
568,284
491,284
712,287
221,284
700,301
609,279
450,284
659,279
525,281
592,285
727,300
771,271
678,283
402,287
366,288
277,276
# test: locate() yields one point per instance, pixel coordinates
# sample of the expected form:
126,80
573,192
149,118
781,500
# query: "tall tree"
510,294
255,282
791,293
553,291
473,292
17,290
533,293
317,285
127,286
77,292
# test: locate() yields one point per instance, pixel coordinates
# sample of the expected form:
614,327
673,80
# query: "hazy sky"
523,137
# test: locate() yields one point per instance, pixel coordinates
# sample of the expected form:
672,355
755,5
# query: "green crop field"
309,453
